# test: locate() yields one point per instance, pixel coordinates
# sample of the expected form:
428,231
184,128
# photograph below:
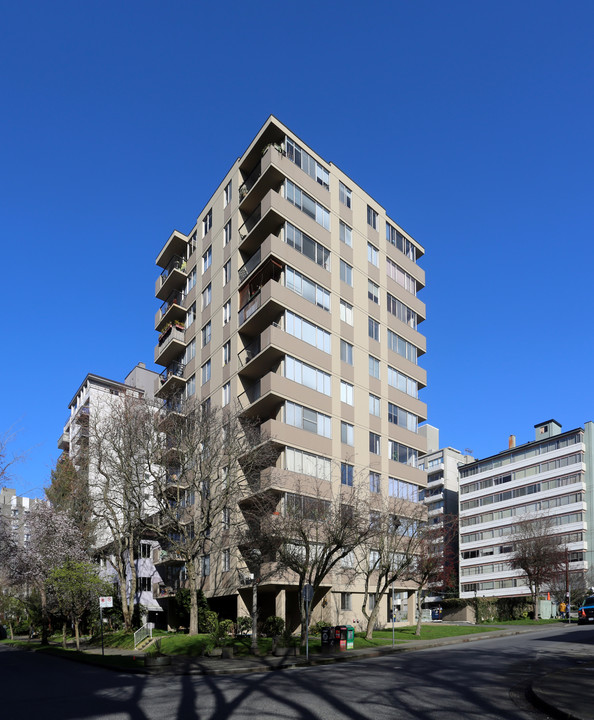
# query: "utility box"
340,636
327,635
350,643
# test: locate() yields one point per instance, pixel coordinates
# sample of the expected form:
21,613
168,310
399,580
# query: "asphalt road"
483,679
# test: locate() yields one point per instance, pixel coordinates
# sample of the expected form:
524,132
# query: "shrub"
316,629
244,624
221,631
273,626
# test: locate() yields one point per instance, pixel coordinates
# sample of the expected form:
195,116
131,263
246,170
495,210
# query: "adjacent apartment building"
296,297
552,476
15,510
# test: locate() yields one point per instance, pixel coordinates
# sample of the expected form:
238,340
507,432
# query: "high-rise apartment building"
14,510
550,477
295,296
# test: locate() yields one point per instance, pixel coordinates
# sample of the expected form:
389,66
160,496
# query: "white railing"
144,632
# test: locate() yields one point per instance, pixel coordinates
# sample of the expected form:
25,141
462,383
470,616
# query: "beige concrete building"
296,296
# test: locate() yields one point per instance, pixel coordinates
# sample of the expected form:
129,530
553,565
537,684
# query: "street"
483,679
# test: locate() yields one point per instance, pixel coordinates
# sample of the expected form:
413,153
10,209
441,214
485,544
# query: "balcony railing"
250,308
250,395
249,352
250,265
250,181
176,369
250,223
176,298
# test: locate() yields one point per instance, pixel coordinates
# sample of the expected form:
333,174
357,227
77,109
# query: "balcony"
167,557
259,356
171,344
64,441
82,416
263,397
175,246
171,279
170,311
247,269
267,174
171,380
265,220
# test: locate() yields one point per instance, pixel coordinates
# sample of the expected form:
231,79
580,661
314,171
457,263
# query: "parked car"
586,611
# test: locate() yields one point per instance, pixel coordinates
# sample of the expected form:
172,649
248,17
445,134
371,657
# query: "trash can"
340,636
350,644
327,640
436,614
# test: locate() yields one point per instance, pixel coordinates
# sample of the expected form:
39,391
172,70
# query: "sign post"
107,602
307,598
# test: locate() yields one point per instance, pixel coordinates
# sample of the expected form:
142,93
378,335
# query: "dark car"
586,611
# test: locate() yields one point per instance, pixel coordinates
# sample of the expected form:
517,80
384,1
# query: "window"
344,195
191,316
205,565
306,331
400,242
226,518
402,382
346,392
374,405
371,217
206,296
374,367
191,281
402,489
227,193
307,246
307,163
402,453
346,474
347,433
207,259
373,329
191,386
227,312
227,234
402,311
205,372
307,204
346,234
346,312
374,558
145,550
226,398
307,375
374,443
346,273
207,222
308,289
373,292
402,347
143,584
227,352
226,272
226,560
346,352
348,561
307,419
374,482
345,601
402,418
401,277
372,254
190,351
306,463
206,333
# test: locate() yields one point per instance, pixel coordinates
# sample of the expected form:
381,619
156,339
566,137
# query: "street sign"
106,601
308,592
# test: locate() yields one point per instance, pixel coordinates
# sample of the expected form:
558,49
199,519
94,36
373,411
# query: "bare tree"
8,458
538,553
388,553
427,565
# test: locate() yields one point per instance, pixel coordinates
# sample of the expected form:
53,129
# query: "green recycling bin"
350,643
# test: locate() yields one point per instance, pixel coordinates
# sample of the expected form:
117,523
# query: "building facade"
15,510
549,477
295,297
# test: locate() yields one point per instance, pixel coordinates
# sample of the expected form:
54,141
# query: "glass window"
374,405
402,382
401,277
374,367
373,329
346,234
374,443
227,312
399,241
347,433
374,482
227,352
226,394
346,392
307,246
346,352
205,372
227,234
373,292
371,217
205,565
226,272
402,347
308,289
227,193
206,334
307,375
345,601
308,464
207,222
190,282
346,273
344,195
307,419
307,204
191,386
346,474
346,312
402,311
372,254
306,331
226,560
402,418
207,259
206,296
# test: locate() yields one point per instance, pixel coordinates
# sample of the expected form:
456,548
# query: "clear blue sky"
471,122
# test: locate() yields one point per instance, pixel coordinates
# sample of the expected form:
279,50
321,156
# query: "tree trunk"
64,634
76,634
44,617
11,630
124,598
192,582
371,621
419,612
254,647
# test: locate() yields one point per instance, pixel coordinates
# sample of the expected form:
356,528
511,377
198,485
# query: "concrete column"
242,608
280,604
412,607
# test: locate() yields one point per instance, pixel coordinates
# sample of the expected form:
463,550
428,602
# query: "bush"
209,621
220,633
244,624
273,626
315,630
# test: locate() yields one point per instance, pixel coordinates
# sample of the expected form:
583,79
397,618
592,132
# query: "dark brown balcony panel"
172,278
171,344
176,245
